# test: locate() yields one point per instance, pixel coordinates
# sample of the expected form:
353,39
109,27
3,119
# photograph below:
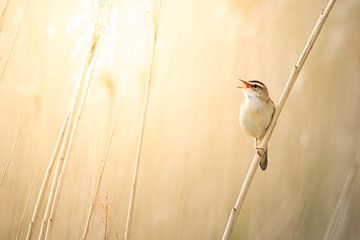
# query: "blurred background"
194,155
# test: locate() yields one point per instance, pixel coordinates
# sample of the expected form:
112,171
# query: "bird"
256,112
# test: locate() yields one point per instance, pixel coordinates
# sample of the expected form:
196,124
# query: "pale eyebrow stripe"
256,81
260,84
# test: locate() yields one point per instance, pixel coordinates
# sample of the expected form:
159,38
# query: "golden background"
194,155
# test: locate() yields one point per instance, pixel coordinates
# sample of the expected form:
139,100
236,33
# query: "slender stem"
24,212
106,214
2,16
15,39
57,189
342,199
97,187
105,9
60,154
62,141
290,83
47,174
59,163
141,134
11,153
26,205
67,139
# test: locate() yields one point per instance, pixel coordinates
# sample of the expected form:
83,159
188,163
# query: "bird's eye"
255,86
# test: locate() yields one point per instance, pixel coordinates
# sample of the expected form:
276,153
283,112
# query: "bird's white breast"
255,116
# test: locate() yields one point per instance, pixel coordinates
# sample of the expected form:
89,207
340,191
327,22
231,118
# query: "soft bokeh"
194,156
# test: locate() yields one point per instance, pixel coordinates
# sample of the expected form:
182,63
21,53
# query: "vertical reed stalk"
60,156
48,173
342,199
4,9
3,12
15,39
61,145
24,212
141,130
64,160
26,205
290,83
100,175
60,159
76,107
11,153
63,142
104,11
106,215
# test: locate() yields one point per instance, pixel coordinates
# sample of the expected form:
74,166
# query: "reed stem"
3,12
342,199
26,205
103,11
100,175
16,36
48,174
11,153
141,131
264,142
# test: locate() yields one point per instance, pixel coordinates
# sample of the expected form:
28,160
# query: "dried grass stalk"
76,105
100,175
24,212
60,160
142,127
104,11
344,196
48,174
26,205
58,185
11,153
16,36
290,83
3,12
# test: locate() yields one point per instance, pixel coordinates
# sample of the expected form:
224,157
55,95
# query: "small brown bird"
256,112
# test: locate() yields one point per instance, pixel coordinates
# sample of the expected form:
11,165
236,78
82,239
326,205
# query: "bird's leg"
259,150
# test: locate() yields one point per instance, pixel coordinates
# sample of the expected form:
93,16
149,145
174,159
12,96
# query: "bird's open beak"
245,84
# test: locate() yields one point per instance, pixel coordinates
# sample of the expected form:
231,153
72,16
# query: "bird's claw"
260,151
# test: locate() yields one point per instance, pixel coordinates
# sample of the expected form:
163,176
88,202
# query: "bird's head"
254,89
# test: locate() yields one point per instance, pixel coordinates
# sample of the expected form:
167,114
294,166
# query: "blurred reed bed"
193,155
68,132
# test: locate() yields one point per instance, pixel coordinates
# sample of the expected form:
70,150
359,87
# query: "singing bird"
256,112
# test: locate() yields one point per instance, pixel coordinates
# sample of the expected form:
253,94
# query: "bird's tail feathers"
264,162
